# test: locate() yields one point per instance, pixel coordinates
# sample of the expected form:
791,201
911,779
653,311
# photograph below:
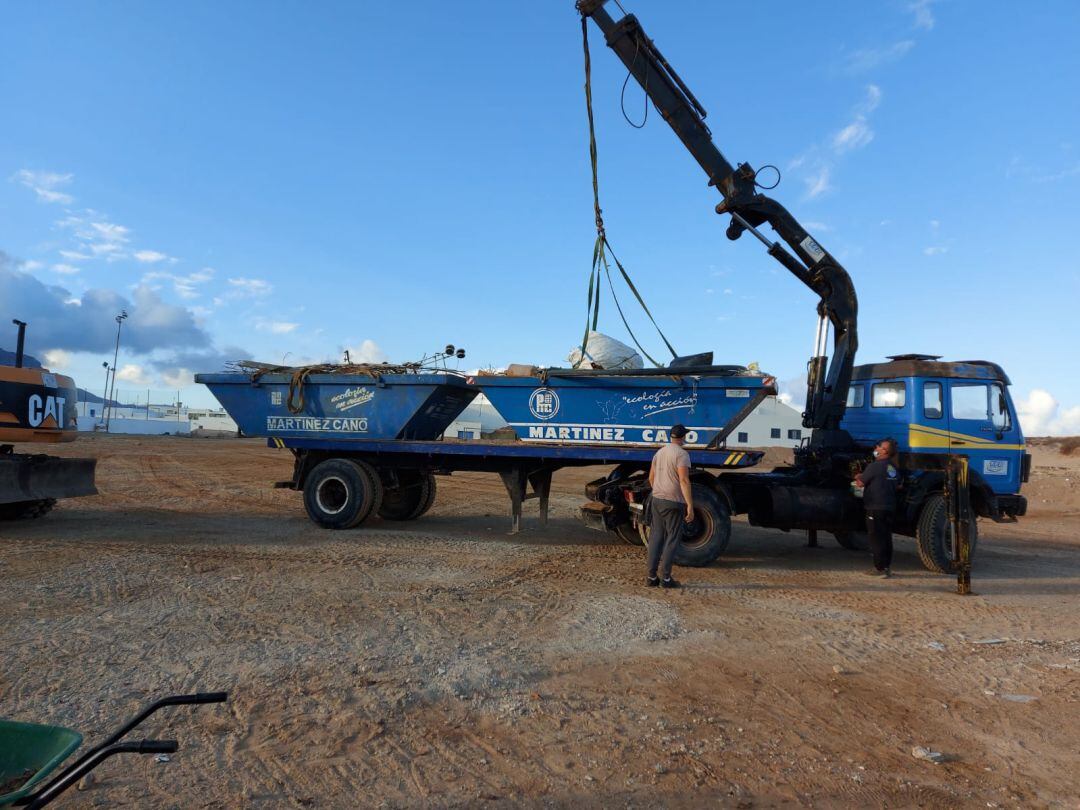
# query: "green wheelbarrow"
30,752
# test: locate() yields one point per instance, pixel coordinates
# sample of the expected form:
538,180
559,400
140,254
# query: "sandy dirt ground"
445,663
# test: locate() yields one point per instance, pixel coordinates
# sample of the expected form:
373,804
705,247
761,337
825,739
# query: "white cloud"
792,392
149,256
817,183
65,269
75,256
276,327
858,133
1053,177
98,237
817,226
869,58
924,17
45,185
367,351
184,286
853,136
1042,415
178,377
31,265
935,250
57,359
1020,167
133,373
249,287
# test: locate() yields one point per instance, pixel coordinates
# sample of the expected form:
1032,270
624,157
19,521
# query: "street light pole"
116,353
105,391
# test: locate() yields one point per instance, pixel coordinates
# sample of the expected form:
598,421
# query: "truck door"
982,427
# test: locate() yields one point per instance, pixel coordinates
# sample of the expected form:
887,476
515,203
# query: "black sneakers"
669,583
652,582
884,573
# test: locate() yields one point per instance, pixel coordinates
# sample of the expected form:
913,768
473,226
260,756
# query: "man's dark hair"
891,442
678,431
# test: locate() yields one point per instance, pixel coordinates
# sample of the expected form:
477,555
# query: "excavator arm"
827,384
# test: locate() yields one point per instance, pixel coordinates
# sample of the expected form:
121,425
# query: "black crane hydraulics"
827,384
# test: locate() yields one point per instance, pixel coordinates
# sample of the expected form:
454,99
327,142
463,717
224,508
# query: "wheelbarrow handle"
199,697
72,775
156,747
172,700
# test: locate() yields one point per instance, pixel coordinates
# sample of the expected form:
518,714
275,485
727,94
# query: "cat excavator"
38,407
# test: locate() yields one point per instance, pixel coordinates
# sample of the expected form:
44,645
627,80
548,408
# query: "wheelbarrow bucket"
28,753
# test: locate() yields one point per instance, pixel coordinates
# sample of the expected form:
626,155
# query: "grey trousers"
665,534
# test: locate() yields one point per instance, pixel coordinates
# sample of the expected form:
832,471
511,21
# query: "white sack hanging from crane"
603,352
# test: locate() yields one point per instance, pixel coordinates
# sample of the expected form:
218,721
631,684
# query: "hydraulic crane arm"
807,261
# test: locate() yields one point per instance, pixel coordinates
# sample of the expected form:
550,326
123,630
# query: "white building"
155,420
771,424
478,418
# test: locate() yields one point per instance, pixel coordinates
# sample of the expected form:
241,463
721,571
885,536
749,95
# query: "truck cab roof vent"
914,357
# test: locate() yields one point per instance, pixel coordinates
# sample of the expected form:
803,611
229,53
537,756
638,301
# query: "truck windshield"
983,402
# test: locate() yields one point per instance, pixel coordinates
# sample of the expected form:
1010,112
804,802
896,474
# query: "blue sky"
284,179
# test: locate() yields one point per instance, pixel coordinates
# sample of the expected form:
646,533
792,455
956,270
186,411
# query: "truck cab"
933,409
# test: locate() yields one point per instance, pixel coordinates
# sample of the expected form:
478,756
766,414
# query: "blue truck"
366,441
936,411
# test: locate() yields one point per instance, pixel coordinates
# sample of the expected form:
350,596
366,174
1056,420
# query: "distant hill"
8,359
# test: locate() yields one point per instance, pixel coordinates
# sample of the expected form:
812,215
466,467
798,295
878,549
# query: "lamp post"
116,353
105,391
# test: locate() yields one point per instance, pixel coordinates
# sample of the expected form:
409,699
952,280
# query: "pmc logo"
544,403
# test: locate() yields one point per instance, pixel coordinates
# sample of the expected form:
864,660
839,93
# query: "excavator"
38,407
937,411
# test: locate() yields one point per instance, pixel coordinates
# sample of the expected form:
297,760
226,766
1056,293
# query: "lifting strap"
602,248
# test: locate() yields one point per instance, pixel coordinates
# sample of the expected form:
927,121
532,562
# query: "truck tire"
708,536
852,541
429,496
933,536
410,500
340,493
26,510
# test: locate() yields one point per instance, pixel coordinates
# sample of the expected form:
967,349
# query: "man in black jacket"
878,482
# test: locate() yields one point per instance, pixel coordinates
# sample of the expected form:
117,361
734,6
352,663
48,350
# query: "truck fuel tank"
802,507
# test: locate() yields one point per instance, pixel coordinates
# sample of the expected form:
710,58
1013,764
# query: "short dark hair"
889,440
678,431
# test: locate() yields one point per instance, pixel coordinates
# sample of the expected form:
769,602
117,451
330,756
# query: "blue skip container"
342,406
623,408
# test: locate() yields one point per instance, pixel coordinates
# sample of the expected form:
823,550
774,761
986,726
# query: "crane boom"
827,384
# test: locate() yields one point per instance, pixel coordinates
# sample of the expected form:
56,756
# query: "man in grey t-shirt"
672,505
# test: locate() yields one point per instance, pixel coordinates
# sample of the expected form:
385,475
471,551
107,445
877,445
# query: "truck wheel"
852,541
411,499
707,537
26,510
340,493
934,539
629,534
429,495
